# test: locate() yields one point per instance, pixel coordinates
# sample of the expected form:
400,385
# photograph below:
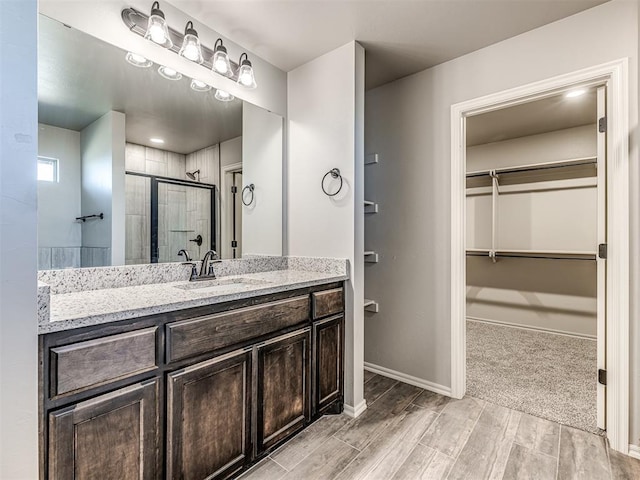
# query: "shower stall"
165,215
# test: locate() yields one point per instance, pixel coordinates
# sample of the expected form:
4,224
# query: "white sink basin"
221,285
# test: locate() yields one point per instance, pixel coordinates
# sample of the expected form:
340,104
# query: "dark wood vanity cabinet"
283,387
115,435
208,418
195,394
328,370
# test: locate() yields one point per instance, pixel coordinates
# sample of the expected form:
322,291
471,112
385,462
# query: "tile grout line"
382,394
467,440
276,462
558,460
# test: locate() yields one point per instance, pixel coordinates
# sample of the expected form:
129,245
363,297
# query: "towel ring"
335,173
251,187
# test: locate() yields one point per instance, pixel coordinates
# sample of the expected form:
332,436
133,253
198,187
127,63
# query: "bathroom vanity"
221,375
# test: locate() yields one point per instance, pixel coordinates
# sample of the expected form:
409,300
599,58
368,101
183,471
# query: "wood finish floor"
408,433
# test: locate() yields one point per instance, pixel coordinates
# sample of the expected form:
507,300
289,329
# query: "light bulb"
191,49
246,77
156,32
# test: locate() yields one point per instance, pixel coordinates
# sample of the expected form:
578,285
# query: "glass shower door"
184,220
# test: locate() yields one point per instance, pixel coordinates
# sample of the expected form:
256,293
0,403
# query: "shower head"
192,175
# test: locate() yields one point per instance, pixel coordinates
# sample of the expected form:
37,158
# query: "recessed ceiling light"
223,96
169,73
156,140
138,60
576,93
199,86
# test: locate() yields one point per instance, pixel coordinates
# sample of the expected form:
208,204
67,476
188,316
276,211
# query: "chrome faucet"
206,270
187,257
185,254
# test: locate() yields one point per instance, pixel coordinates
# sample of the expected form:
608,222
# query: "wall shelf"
371,306
371,159
573,162
370,207
370,257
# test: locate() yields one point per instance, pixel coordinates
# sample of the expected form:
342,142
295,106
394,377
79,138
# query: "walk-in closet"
535,218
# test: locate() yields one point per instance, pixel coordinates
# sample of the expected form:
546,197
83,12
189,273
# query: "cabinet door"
111,436
283,383
327,368
208,418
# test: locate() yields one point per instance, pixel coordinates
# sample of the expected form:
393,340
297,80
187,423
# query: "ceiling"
80,78
533,118
400,37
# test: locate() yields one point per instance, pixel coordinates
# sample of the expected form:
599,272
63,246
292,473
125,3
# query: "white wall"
18,241
325,130
59,202
411,334
231,152
102,20
103,184
262,149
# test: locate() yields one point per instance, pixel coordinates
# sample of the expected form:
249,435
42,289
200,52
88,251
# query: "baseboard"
634,451
411,380
529,327
356,411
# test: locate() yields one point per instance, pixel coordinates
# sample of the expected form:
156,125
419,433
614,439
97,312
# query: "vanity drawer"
327,302
83,365
200,335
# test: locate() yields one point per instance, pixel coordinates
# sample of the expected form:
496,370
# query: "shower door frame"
153,227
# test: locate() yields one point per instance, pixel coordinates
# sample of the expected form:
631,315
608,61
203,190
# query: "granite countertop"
93,307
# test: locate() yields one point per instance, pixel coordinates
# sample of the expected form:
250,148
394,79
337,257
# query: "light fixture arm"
136,22
188,29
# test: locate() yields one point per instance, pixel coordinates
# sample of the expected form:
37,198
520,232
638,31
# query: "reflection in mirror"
164,161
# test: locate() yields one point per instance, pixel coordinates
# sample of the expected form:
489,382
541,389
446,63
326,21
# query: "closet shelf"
370,257
548,254
370,207
371,159
574,162
371,306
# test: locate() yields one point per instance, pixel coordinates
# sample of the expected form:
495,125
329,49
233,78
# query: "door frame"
224,199
615,75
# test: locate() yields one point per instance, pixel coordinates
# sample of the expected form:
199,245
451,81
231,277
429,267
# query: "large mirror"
135,167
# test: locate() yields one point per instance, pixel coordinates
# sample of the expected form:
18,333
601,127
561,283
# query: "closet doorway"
604,293
535,203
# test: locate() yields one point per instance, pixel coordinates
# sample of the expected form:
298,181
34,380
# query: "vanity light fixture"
191,49
576,93
199,86
138,60
154,27
169,73
221,63
157,30
246,77
224,96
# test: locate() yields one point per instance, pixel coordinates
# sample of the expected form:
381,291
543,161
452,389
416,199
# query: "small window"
47,169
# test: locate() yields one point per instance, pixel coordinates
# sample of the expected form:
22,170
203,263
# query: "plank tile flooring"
408,433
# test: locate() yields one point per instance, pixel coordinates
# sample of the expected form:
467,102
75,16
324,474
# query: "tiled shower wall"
180,209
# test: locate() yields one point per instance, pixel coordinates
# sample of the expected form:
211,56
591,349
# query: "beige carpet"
546,375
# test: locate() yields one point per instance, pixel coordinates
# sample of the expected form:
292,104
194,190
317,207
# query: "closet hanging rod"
546,256
536,166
